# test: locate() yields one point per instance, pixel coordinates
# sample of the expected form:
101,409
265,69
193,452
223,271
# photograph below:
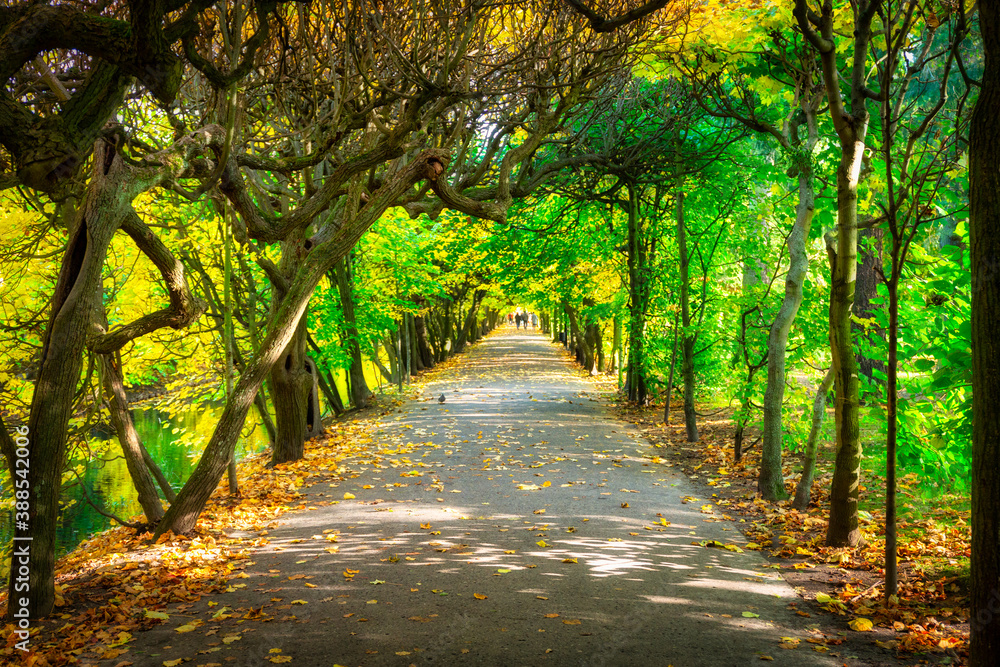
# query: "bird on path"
441,398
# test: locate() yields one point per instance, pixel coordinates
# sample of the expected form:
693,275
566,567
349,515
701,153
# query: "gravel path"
530,528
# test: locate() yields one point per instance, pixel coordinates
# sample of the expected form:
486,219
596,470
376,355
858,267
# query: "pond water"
175,441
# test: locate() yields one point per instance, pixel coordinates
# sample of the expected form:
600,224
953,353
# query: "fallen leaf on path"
572,621
550,615
348,496
861,624
479,596
569,560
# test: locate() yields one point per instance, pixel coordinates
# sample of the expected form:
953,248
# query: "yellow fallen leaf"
231,638
299,602
569,560
546,484
542,543
479,596
425,526
157,614
402,653
541,597
348,496
572,621
551,616
538,512
188,627
280,658
172,663
861,624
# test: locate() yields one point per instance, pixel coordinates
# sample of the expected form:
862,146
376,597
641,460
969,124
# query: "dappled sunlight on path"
519,525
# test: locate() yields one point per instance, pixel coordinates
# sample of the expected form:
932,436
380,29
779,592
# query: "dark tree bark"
585,353
121,419
688,337
636,379
360,393
865,291
291,382
984,229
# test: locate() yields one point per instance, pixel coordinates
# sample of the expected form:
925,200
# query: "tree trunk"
360,393
425,354
865,291
314,409
851,125
984,231
75,306
582,345
635,380
688,339
121,419
891,582
770,482
596,342
467,331
673,366
803,491
292,386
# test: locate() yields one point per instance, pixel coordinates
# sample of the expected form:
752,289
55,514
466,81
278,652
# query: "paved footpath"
533,528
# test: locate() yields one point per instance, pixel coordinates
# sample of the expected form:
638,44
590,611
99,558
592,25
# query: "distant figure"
510,318
534,321
517,320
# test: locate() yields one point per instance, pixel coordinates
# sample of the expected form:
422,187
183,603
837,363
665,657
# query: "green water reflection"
175,441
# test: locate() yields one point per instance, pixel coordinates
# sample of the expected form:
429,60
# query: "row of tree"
652,178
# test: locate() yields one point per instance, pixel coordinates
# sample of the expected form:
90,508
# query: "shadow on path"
526,527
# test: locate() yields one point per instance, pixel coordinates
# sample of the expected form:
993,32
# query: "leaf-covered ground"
519,522
927,623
